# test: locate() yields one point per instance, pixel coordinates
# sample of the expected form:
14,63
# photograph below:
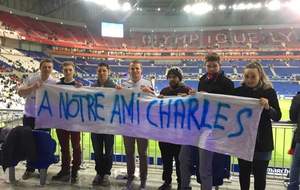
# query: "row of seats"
49,32
18,60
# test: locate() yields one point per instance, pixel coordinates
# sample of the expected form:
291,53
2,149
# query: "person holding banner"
294,181
169,150
214,81
103,142
257,85
27,90
64,136
136,82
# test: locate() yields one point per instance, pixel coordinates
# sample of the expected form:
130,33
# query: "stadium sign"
219,123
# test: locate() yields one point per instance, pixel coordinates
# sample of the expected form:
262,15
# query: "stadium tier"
79,36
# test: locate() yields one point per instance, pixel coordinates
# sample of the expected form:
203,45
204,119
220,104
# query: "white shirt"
137,85
29,109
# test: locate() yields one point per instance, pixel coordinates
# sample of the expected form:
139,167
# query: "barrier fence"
278,167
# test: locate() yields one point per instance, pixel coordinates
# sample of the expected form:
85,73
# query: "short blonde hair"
68,63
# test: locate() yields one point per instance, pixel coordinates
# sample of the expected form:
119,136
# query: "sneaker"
62,176
27,175
97,180
105,180
74,176
165,186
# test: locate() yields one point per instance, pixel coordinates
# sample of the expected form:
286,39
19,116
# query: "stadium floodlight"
126,6
99,2
113,5
201,8
249,6
257,6
274,5
293,5
187,8
222,7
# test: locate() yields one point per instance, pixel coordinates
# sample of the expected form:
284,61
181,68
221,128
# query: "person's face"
135,71
68,71
212,67
103,73
46,69
173,80
251,77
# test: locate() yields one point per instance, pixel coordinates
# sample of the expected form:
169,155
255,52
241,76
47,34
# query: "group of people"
255,84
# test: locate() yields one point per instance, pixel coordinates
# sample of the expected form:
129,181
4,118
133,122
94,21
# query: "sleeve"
275,112
294,109
27,81
163,91
199,85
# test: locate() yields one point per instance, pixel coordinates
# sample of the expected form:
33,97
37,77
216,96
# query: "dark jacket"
218,85
264,139
61,81
109,84
169,91
295,116
19,145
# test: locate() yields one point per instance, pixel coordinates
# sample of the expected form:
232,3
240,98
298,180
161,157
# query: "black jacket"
181,88
19,145
219,85
61,81
264,139
295,116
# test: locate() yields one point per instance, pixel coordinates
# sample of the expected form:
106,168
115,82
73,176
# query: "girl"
257,85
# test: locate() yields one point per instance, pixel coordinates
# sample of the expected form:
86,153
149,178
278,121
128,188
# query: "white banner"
219,123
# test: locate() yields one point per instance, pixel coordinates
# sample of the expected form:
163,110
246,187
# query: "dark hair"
104,65
45,61
212,57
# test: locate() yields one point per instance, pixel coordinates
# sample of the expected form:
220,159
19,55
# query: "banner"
219,123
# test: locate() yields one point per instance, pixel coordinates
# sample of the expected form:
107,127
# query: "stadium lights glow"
222,7
113,4
198,8
126,6
293,5
274,5
248,6
187,8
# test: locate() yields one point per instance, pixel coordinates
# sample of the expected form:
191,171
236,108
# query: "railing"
278,167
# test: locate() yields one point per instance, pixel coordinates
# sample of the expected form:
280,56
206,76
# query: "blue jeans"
295,170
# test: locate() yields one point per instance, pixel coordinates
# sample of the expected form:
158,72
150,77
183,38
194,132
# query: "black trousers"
259,170
103,149
168,153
